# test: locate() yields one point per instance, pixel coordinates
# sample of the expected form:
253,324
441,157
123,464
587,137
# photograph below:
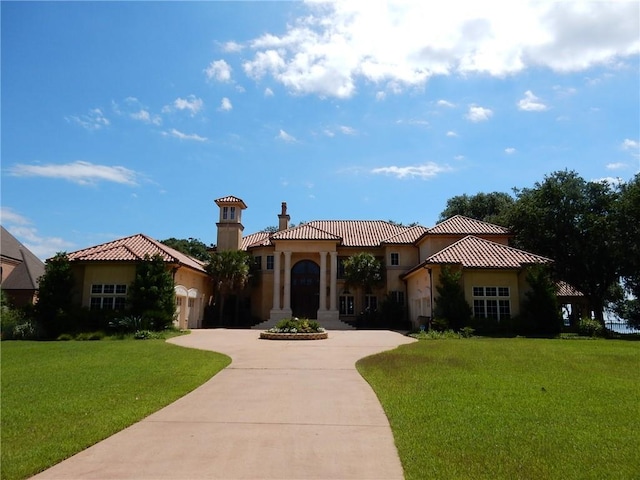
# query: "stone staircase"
327,324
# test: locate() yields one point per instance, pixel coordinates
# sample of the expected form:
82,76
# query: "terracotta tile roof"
230,199
563,289
135,248
306,231
409,236
259,239
461,225
350,233
26,274
474,252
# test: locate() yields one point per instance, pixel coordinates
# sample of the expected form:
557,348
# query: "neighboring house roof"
135,248
475,252
29,269
563,289
461,225
230,199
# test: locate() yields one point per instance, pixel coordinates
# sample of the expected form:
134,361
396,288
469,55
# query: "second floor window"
395,259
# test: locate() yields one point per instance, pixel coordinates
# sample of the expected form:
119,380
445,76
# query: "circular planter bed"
293,336
295,329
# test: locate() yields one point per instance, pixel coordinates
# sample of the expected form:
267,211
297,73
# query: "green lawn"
61,397
512,408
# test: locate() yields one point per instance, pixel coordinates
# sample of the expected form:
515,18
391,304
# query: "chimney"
283,218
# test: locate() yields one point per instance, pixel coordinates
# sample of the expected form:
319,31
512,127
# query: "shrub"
27,330
64,337
439,324
590,327
90,336
436,335
147,335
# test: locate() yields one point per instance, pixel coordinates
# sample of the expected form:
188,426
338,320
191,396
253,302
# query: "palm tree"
229,271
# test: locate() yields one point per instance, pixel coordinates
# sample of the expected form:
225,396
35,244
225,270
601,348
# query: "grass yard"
512,408
61,397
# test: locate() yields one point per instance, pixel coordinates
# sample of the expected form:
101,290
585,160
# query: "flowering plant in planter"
295,329
296,325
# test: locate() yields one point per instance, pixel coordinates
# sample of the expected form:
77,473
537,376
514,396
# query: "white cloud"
428,170
146,117
83,173
184,136
94,120
414,121
8,216
218,70
41,247
232,47
451,133
531,103
509,150
400,44
285,137
380,95
225,105
268,92
616,166
459,158
347,130
478,114
629,144
192,104
445,103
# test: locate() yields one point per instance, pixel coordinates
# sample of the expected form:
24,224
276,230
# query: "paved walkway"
281,410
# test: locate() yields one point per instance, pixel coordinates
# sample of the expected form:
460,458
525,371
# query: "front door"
305,289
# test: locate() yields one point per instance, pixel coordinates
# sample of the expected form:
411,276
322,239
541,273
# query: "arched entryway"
305,286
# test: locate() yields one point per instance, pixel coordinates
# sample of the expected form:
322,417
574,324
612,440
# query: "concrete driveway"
281,410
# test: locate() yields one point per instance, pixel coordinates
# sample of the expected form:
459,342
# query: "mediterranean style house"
300,272
20,270
299,269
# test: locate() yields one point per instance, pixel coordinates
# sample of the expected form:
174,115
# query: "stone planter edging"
293,336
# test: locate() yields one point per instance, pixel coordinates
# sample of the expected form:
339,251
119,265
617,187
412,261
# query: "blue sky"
121,118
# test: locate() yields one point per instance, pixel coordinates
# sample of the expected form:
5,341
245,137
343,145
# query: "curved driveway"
281,410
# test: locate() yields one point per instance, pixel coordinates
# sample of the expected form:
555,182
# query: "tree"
152,293
450,303
191,246
627,220
540,310
230,272
568,219
488,207
55,289
363,270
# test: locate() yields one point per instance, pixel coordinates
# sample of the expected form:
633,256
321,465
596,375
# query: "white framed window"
347,305
108,296
491,302
397,296
395,259
269,262
371,303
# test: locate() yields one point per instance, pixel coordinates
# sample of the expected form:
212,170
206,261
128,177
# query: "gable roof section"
26,274
461,225
361,233
258,239
475,252
408,236
306,231
134,248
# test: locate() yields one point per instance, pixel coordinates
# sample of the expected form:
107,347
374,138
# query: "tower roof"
230,200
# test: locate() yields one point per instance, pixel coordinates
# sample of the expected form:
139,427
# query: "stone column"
323,282
276,281
287,284
333,289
